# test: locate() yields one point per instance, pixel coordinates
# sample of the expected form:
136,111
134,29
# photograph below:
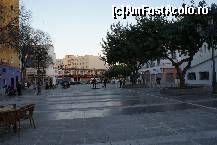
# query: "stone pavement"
113,116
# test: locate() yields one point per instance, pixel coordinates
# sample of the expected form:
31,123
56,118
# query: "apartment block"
80,67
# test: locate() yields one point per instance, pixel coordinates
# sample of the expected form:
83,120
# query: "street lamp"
211,35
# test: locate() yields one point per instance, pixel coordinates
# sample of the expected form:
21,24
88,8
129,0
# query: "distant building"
9,58
80,67
58,67
83,62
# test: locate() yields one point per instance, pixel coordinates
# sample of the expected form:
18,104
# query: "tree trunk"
23,77
182,80
181,76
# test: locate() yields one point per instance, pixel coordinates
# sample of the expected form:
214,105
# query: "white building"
50,71
200,72
58,67
162,69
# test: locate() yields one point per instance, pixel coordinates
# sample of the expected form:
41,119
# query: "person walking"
158,80
34,86
105,83
94,83
28,85
19,89
121,83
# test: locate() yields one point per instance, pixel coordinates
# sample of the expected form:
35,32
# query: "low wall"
203,90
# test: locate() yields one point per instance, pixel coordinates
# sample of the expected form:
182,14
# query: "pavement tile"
207,141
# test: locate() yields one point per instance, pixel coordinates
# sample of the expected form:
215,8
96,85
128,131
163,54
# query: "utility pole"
211,35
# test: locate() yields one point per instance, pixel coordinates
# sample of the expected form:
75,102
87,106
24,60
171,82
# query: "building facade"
80,67
50,71
200,72
159,73
83,62
9,58
58,67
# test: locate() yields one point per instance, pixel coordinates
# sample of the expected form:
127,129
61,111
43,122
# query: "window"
4,70
191,76
158,62
204,75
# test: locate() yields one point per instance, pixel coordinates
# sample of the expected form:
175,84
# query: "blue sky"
78,26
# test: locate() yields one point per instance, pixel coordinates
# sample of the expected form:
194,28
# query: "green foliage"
156,37
40,57
118,71
126,45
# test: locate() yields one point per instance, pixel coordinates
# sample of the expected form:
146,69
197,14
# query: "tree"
40,58
118,71
23,41
181,36
17,34
124,45
155,37
177,37
28,42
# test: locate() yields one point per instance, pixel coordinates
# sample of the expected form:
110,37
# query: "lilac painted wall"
9,76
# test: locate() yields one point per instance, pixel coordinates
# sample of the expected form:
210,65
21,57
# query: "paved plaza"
114,116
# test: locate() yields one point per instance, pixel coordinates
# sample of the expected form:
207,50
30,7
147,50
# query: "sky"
78,26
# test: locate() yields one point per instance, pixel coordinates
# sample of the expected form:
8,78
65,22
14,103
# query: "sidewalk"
81,115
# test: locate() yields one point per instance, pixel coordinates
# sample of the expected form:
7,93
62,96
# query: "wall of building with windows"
200,74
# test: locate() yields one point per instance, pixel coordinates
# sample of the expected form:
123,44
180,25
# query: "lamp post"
211,35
